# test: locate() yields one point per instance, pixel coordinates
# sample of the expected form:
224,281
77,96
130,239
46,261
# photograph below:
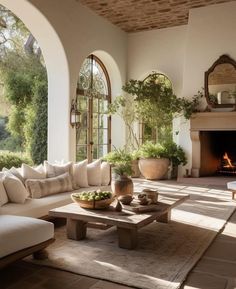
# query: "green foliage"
167,149
3,132
11,143
121,162
10,159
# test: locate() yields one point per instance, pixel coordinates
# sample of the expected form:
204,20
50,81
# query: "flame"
228,161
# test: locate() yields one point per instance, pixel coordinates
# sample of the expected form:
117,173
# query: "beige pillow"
16,191
33,173
106,173
3,193
80,178
94,173
17,172
39,188
53,170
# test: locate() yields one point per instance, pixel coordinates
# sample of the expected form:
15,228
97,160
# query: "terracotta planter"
154,169
122,186
135,169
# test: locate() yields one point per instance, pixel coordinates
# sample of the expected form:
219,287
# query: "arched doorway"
93,136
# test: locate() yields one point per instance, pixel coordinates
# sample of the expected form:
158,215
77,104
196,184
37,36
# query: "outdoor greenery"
11,159
24,78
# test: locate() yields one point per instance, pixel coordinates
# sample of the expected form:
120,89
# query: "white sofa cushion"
18,233
94,173
106,173
53,170
80,177
17,172
3,194
33,173
15,189
39,188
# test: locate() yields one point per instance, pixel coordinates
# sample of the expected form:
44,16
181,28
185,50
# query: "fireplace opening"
218,153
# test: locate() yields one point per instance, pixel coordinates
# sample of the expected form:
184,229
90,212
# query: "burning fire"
228,163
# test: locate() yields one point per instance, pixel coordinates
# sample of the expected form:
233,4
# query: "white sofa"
39,208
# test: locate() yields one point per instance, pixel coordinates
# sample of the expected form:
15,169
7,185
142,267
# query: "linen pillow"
106,173
39,188
33,173
53,170
16,172
3,193
80,178
94,173
16,191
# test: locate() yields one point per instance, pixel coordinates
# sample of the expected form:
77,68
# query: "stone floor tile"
204,281
108,285
222,250
216,267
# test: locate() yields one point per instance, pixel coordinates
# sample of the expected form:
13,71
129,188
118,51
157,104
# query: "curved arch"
58,75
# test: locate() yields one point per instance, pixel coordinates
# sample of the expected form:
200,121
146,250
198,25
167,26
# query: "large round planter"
154,169
122,186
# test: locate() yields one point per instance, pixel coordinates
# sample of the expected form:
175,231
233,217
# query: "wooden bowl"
94,205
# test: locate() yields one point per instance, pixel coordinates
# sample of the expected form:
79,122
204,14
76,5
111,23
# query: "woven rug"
165,252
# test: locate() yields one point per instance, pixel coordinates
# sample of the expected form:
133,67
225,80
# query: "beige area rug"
165,253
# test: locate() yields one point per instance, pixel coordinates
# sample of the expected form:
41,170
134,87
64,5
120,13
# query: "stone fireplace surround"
207,122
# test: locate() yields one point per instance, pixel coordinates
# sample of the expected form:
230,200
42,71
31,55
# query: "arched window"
93,137
150,133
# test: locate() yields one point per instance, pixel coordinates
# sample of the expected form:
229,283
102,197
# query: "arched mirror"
220,83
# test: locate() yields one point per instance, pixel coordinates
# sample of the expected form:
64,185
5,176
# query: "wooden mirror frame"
221,60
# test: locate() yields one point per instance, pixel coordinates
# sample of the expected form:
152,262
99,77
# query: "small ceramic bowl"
125,199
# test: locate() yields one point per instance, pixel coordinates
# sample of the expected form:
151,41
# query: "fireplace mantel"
207,121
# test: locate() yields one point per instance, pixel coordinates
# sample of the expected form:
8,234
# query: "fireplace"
213,136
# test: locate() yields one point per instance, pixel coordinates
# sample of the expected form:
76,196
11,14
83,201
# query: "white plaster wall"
158,50
210,33
67,33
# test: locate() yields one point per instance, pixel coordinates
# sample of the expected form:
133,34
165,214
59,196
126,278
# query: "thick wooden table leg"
76,229
165,218
233,195
128,238
40,255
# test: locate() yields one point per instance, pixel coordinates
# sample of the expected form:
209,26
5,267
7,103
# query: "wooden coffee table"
127,222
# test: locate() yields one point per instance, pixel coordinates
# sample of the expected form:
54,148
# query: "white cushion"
16,172
33,173
106,173
16,191
94,173
18,233
53,170
39,188
3,193
80,178
231,185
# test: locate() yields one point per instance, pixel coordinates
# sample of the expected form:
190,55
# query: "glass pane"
102,133
95,105
95,152
103,121
95,136
82,136
81,153
95,120
84,120
82,103
102,150
103,105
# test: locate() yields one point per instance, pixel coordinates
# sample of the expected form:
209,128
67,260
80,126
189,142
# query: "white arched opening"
57,72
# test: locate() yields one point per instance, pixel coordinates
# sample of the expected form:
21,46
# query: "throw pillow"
17,172
80,178
39,188
16,191
94,173
33,173
3,193
53,170
106,173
